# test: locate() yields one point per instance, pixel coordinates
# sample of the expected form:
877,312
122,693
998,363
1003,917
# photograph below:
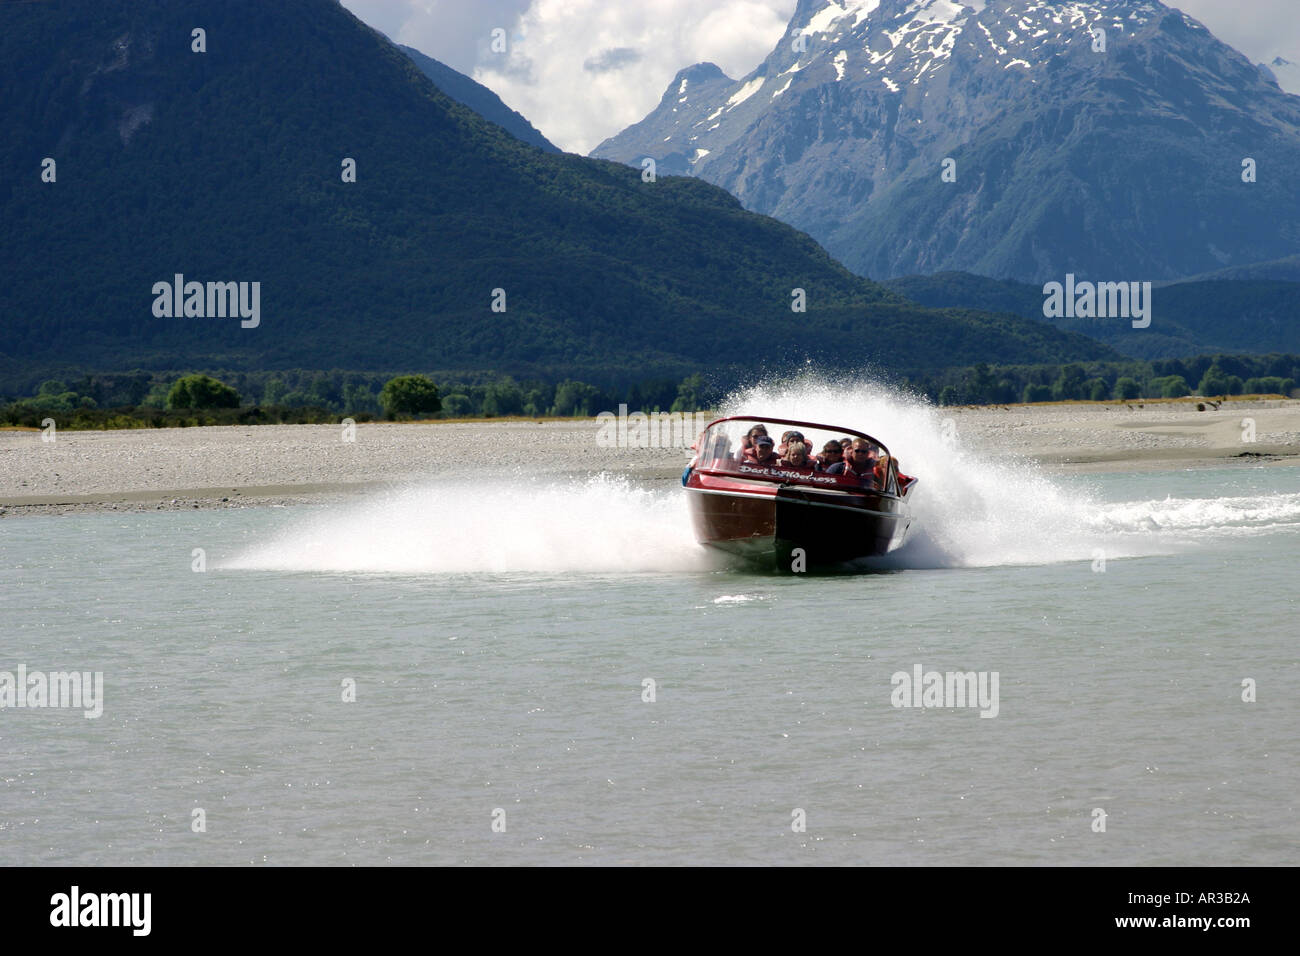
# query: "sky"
582,70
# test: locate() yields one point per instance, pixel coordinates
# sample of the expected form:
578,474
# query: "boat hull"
793,526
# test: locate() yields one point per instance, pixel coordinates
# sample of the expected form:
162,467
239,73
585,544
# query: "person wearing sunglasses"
831,458
747,449
860,464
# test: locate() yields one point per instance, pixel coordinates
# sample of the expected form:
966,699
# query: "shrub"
1168,386
1127,388
1215,382
1037,393
359,399
503,398
1269,385
201,391
1070,386
409,395
457,405
575,398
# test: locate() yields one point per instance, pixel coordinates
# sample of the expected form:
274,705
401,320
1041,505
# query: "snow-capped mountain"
1286,73
1014,138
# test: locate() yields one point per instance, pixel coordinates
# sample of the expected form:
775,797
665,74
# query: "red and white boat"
793,518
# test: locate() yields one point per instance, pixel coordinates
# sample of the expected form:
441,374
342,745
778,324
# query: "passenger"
746,450
883,471
788,437
796,456
764,455
832,458
861,463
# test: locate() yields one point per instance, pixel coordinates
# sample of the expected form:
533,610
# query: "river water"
553,672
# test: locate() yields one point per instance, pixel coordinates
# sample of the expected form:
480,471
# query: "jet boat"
791,517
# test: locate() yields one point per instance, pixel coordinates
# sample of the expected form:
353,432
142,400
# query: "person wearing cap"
764,455
788,437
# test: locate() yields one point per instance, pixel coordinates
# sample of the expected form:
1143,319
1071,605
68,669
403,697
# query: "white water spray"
971,510
602,524
974,510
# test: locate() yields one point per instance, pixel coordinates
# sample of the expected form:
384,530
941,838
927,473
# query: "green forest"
144,399
457,249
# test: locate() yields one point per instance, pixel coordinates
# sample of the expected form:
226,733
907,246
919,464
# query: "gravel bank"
1133,436
237,466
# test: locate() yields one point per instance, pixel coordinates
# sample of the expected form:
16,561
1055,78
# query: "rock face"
1012,138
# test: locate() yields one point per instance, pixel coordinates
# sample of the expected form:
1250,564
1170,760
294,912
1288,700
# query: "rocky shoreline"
285,465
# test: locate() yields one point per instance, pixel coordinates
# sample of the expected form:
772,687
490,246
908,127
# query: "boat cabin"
739,447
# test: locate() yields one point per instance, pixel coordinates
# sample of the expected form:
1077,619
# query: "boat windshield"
737,446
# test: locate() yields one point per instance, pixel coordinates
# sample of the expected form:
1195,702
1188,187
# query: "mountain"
479,98
1281,270
228,166
1120,165
1285,73
1189,318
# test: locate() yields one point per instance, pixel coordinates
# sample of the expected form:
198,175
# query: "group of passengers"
853,458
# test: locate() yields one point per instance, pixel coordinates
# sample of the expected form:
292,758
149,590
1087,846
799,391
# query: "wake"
970,511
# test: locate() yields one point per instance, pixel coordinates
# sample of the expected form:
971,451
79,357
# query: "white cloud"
577,107
582,70
574,107
1261,29
456,32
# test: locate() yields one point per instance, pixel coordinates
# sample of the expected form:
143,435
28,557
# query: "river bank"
239,466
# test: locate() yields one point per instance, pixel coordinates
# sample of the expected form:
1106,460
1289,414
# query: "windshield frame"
790,421
889,486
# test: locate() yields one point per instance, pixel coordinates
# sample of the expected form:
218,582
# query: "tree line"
152,399
143,399
1210,376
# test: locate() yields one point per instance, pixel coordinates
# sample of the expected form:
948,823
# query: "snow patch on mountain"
746,91
827,144
836,10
